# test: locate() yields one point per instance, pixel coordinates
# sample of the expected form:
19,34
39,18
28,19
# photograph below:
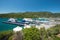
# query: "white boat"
27,19
29,22
12,20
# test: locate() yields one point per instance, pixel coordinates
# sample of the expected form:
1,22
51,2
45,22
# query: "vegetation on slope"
35,34
31,34
30,15
42,34
5,35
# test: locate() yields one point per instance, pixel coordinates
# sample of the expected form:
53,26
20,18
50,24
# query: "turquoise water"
4,26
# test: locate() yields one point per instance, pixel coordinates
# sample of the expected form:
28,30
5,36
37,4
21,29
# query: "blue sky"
29,5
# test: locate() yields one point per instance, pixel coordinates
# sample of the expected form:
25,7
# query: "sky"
7,6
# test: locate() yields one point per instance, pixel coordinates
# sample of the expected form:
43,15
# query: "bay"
5,27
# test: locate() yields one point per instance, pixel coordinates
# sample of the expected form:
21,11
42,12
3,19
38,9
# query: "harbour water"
4,26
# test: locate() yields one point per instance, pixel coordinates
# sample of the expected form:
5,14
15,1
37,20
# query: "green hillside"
30,14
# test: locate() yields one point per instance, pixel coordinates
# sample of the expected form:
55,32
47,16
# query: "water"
4,26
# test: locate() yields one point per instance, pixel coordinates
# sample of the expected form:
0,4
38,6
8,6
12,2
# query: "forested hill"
30,15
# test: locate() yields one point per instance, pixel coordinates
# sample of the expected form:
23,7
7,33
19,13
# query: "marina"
29,22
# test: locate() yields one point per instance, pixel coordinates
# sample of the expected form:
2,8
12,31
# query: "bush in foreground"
5,34
31,34
36,34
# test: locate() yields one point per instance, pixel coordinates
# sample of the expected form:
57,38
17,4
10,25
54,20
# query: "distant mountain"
30,15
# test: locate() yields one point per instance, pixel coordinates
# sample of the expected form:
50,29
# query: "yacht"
12,20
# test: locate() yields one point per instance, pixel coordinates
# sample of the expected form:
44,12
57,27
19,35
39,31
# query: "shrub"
10,38
5,34
35,34
31,34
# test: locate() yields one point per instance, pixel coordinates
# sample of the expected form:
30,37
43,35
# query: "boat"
27,22
12,20
15,22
